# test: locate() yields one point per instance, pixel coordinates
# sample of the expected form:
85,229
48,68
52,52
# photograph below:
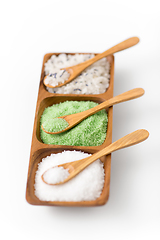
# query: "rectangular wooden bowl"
40,150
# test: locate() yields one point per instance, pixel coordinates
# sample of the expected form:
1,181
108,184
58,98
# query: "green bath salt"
55,125
90,132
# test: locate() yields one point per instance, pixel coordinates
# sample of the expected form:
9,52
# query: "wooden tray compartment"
40,150
49,101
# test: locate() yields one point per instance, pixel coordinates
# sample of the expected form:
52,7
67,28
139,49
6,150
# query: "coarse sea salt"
86,186
56,78
55,175
93,80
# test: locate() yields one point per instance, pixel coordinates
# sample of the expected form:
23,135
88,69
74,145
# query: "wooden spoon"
77,166
74,71
76,118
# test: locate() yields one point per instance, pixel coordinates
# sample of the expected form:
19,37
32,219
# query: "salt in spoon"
73,168
76,118
75,70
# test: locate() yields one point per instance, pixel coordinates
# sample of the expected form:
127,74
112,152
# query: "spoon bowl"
77,166
75,70
76,118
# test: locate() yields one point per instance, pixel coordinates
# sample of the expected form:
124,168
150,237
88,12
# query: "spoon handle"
119,47
131,94
126,141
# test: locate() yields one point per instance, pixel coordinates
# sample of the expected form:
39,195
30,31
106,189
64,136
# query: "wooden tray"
40,150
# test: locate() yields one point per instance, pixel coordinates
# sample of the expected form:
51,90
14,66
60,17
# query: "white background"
30,29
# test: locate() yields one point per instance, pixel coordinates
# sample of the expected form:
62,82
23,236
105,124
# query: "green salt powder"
55,124
90,132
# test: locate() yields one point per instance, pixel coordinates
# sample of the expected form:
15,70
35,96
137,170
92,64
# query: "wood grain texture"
76,167
40,150
76,118
75,70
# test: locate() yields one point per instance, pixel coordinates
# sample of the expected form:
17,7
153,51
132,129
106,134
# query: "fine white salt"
86,186
55,175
